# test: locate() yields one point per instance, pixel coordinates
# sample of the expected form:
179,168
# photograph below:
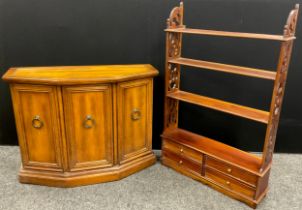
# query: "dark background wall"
76,32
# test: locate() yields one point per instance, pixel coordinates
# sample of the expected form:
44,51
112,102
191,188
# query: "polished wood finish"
72,134
92,146
234,194
236,173
213,148
228,182
231,175
246,71
219,105
74,75
279,88
183,162
85,177
230,34
182,150
135,119
39,138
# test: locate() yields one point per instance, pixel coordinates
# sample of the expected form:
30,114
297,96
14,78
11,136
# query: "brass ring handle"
89,122
37,122
136,114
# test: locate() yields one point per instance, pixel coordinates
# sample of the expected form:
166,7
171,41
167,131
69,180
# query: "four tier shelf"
236,173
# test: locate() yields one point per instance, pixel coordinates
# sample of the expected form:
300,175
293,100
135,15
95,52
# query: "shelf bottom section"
216,149
226,169
208,181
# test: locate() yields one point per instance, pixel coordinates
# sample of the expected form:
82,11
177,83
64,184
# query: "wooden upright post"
279,87
172,73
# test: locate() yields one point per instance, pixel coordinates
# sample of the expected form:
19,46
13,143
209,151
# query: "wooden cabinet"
82,125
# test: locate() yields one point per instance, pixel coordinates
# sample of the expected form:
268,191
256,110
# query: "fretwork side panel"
279,88
172,76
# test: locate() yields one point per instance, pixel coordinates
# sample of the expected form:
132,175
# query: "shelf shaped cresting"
236,173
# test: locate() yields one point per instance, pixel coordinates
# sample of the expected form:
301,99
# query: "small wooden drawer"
229,183
182,150
182,162
232,171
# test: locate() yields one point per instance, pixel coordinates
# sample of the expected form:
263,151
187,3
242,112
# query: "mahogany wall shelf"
234,172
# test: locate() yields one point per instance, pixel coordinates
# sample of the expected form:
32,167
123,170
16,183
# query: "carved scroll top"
175,19
290,26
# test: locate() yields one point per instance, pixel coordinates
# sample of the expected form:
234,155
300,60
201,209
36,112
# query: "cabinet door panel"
134,119
36,110
88,120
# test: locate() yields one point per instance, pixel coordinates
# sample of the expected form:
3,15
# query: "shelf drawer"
182,150
182,162
229,183
232,171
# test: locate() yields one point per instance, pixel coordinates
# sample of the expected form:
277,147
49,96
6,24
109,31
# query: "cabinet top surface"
60,75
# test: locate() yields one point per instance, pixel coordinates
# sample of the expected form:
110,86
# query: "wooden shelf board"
246,71
230,34
215,149
227,107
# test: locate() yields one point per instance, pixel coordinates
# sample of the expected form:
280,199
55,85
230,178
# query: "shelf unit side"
279,88
172,71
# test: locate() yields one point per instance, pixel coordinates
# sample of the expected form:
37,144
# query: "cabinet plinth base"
80,178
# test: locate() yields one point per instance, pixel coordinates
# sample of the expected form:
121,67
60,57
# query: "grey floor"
157,188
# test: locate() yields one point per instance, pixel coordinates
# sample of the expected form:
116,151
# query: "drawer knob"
181,150
136,114
89,122
180,162
229,170
228,183
37,122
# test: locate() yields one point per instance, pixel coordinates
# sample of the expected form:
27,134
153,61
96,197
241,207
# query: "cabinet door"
88,121
37,116
134,119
